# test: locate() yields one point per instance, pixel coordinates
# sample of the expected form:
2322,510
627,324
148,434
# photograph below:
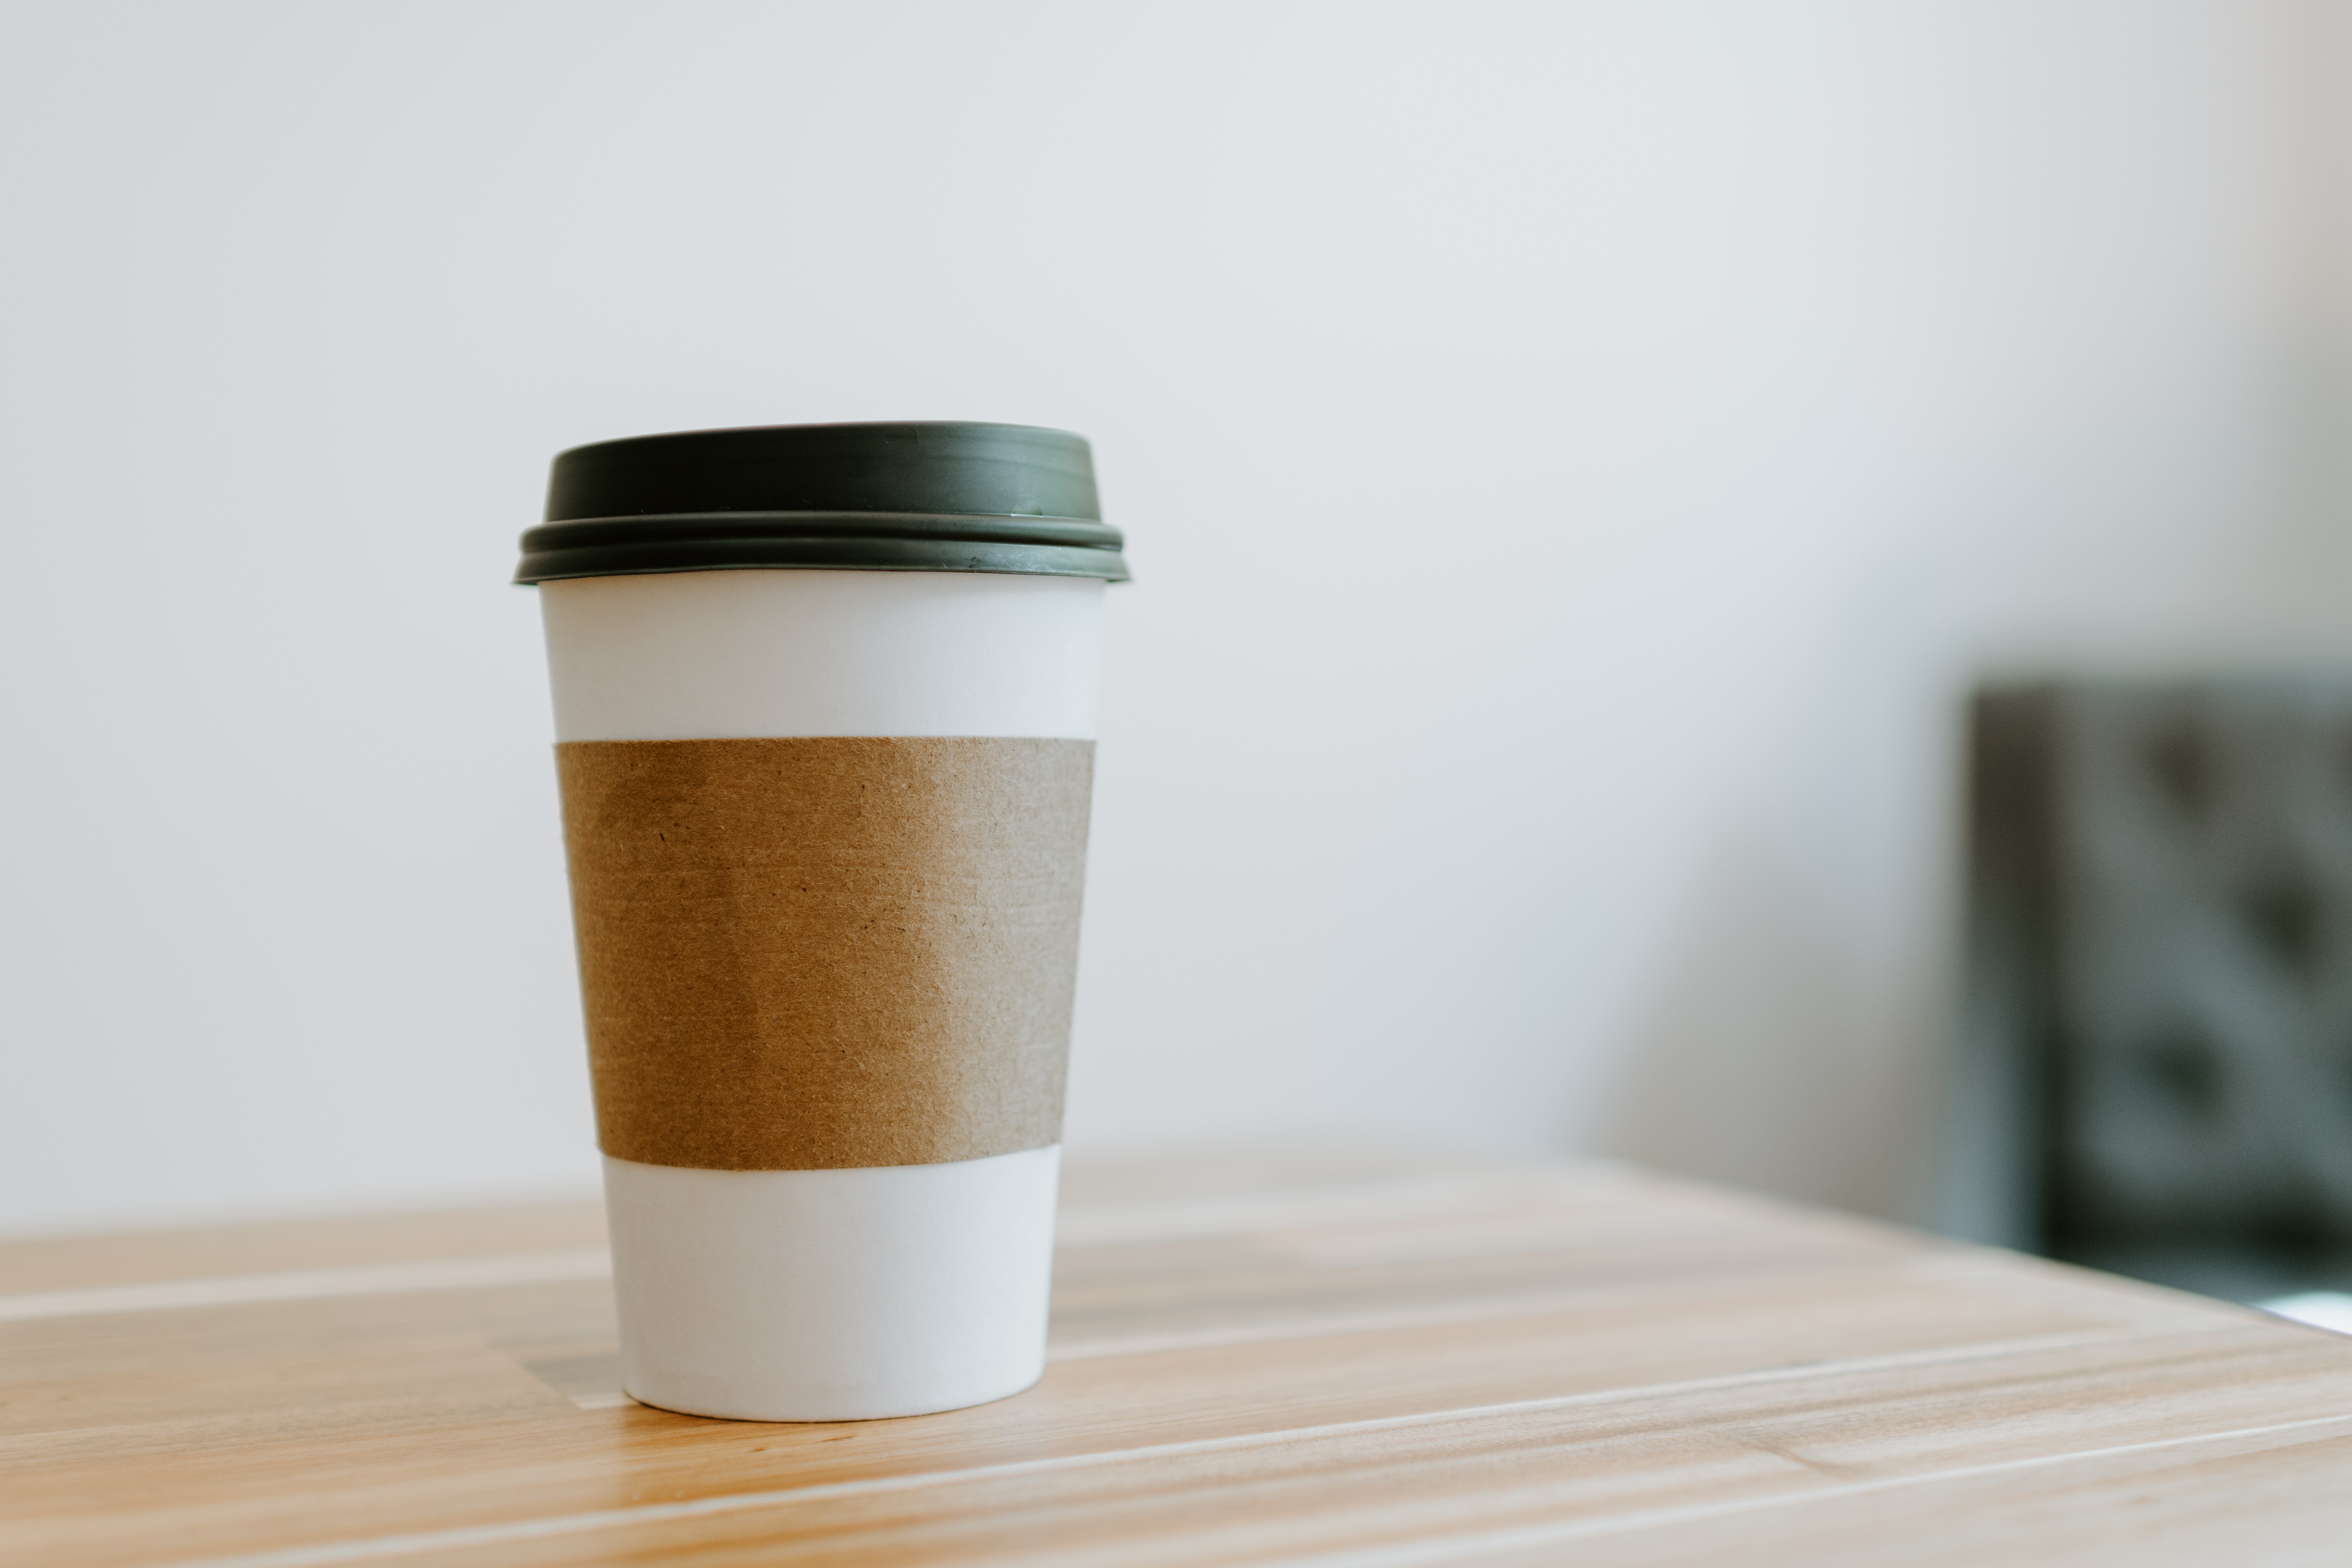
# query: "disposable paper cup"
824,706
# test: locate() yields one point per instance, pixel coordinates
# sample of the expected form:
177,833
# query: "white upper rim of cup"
788,652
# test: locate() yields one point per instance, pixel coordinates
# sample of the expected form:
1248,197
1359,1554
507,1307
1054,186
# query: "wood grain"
1349,1361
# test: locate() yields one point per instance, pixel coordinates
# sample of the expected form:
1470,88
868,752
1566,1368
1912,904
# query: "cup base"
958,1404
841,1295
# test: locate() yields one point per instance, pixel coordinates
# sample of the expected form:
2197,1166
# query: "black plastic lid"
932,497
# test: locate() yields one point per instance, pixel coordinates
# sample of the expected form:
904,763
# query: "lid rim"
853,553
1021,528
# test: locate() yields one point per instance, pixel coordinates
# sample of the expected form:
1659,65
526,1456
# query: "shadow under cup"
826,830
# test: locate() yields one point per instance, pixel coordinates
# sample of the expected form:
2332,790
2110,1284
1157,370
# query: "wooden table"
1357,1363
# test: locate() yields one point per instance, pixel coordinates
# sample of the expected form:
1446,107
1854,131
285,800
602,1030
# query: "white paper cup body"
840,1294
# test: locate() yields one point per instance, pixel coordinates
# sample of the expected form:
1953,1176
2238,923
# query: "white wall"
1573,455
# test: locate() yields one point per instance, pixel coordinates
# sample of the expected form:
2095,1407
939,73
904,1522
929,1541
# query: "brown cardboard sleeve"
809,953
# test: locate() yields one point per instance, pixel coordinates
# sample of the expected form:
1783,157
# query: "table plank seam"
1496,1309
313,1284
1463,1546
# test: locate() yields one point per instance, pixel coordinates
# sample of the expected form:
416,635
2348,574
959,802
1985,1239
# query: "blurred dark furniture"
2158,1018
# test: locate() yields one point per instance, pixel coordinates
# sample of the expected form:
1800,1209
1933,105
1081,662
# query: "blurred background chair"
2157,1053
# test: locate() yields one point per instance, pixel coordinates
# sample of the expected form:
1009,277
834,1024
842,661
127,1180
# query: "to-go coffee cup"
824,710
